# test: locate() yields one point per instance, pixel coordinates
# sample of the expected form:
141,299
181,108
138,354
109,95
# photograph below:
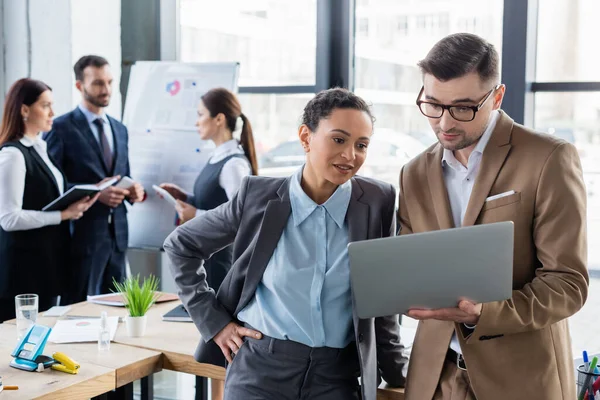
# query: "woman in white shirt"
34,244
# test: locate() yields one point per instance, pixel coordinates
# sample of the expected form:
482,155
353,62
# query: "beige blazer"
521,347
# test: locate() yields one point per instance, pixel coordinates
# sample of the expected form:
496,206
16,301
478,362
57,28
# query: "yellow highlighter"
65,363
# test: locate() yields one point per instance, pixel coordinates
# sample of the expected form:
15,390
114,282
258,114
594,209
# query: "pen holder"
584,377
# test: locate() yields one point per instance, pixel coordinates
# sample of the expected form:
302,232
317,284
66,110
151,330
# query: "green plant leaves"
138,299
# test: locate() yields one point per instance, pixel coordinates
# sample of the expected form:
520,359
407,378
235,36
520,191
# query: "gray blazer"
253,221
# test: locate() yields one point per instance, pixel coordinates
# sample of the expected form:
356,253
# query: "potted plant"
138,299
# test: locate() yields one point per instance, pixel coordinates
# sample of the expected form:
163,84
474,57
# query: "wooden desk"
92,380
177,341
127,363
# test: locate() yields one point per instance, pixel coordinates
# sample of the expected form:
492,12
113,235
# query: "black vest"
35,260
209,194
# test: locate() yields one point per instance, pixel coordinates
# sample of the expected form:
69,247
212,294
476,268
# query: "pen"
588,378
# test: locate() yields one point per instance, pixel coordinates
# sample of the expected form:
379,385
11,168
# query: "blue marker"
198,151
586,360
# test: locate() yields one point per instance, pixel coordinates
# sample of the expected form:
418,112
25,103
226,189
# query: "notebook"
76,193
178,314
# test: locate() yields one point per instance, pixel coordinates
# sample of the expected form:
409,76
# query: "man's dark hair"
460,54
86,61
326,101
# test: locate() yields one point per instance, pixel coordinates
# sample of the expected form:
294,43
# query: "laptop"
432,269
178,314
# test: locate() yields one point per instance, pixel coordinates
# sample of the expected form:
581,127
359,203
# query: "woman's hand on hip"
230,339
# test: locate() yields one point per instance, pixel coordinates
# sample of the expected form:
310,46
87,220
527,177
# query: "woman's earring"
24,119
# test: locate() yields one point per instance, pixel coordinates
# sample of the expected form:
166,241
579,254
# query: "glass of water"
26,307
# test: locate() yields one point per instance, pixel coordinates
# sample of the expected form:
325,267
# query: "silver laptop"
432,269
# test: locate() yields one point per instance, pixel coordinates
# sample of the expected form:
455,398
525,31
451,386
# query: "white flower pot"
136,326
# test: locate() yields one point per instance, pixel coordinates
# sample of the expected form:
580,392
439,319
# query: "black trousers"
94,271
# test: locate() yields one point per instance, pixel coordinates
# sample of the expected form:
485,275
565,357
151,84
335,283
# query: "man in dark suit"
90,146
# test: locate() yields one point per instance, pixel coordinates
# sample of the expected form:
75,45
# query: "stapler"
64,363
28,353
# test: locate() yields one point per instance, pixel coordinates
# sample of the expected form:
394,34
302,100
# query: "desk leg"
125,392
147,385
201,388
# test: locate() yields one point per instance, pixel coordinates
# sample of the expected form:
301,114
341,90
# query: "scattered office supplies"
6,387
76,193
178,314
64,363
81,330
27,355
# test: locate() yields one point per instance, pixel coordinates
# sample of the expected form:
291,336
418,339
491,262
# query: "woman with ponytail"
220,119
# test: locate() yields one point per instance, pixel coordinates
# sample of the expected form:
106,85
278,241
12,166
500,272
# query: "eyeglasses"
459,113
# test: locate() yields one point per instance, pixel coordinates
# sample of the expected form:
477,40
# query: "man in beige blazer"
519,348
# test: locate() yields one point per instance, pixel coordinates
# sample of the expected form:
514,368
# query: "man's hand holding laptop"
466,313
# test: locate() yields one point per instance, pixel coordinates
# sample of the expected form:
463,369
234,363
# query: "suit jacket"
253,221
73,146
520,348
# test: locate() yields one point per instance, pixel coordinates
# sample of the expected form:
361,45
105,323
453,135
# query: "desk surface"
92,380
177,341
124,365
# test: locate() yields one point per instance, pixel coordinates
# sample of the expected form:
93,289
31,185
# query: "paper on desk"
57,311
116,299
81,330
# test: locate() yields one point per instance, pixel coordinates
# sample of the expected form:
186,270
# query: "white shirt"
233,171
90,116
12,176
459,184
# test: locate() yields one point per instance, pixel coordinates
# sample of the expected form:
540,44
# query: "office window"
274,41
275,119
363,27
402,25
387,76
567,41
575,117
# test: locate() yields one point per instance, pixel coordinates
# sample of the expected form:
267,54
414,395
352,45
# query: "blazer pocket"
502,201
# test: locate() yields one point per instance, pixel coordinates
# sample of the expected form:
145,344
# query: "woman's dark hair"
460,54
24,91
326,101
222,101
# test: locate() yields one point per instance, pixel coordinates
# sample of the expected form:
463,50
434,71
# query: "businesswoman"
220,120
34,244
283,317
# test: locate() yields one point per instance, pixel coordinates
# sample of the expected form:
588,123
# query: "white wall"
51,48
61,31
96,29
